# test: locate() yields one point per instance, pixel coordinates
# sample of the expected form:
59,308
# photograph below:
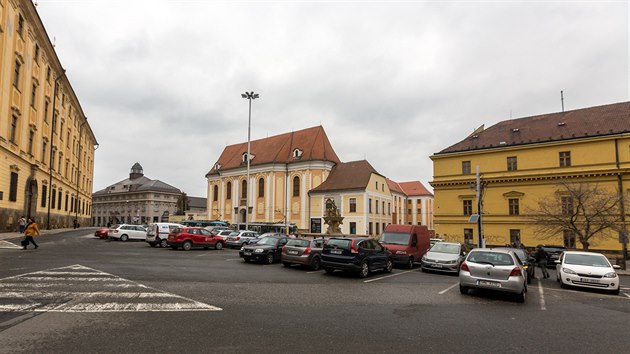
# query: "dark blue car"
361,255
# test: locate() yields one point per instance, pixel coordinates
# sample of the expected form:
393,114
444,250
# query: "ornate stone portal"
332,218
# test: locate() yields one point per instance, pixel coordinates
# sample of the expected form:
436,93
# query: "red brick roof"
346,176
394,186
414,189
313,143
581,123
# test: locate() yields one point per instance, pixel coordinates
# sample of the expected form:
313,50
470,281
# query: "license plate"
589,280
437,266
247,253
489,283
292,252
336,251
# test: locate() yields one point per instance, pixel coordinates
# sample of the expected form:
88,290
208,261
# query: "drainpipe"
52,131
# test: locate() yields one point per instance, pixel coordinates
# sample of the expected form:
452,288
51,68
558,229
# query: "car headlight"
401,252
259,250
450,262
242,248
568,271
610,275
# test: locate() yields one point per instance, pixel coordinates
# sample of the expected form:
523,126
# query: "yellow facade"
46,145
601,160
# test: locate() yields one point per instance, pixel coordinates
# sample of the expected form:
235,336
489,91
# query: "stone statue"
332,218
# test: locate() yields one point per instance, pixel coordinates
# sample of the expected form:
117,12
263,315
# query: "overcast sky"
390,82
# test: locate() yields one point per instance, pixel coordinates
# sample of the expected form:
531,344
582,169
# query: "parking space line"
233,259
627,295
387,276
541,292
314,271
449,288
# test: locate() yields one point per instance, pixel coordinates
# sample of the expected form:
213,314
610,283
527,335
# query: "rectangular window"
419,211
376,204
44,195
13,188
511,163
31,136
353,205
59,201
468,236
515,237
513,206
565,158
46,105
370,207
467,207
378,228
465,167
370,228
569,239
61,131
567,205
66,204
33,95
36,53
389,208
44,151
353,228
16,74
383,208
48,71
53,199
14,123
20,25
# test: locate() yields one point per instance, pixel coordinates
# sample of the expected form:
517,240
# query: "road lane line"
449,288
541,292
387,276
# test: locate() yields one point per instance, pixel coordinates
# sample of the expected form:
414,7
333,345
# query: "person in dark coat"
541,260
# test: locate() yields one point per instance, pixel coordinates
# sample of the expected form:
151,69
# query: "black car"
361,255
553,254
529,262
268,249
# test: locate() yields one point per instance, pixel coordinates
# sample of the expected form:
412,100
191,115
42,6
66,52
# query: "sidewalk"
12,235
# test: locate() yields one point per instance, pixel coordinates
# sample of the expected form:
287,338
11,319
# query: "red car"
189,237
101,233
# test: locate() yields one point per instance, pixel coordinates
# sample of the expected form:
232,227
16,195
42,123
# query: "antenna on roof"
562,99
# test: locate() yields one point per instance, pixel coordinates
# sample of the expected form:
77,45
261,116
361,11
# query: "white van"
158,233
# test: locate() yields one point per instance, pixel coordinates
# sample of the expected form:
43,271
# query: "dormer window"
217,166
297,154
244,157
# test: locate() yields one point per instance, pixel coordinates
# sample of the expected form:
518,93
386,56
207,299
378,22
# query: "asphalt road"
80,294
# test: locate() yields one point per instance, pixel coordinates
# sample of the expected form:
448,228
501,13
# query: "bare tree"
182,204
583,209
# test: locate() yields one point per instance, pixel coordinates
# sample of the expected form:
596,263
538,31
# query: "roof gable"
346,176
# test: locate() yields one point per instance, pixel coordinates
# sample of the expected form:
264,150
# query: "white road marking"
449,288
387,276
233,259
32,292
314,271
541,292
624,288
8,245
627,295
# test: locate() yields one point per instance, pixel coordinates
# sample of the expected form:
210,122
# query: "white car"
126,232
587,270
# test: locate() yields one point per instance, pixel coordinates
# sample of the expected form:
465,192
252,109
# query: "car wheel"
187,246
124,237
365,269
389,266
329,270
270,258
463,290
315,263
218,246
286,264
563,285
520,298
410,263
163,243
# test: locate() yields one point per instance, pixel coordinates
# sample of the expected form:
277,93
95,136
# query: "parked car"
493,269
407,243
361,255
433,241
529,262
304,252
587,270
126,232
222,233
553,254
157,233
267,249
190,237
445,257
102,232
239,238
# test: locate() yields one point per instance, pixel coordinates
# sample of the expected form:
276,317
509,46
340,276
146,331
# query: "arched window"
228,191
244,189
216,193
296,186
261,188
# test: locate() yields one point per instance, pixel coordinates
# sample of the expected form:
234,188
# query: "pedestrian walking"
30,231
22,224
541,260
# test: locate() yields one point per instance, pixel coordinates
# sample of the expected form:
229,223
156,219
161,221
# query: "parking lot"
77,293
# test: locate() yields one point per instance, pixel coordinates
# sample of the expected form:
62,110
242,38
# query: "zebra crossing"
92,291
8,245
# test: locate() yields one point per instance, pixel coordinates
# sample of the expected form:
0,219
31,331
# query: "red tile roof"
414,189
394,186
313,143
347,176
604,120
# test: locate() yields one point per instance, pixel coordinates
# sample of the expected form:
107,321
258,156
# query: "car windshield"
234,233
177,230
298,243
493,258
442,247
520,253
554,249
332,243
592,260
271,241
395,238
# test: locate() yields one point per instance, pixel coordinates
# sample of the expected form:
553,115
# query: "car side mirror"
616,266
557,261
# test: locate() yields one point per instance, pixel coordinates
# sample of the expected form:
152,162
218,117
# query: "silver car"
445,257
587,270
240,238
493,269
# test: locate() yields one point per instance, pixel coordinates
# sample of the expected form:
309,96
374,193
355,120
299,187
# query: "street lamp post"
249,96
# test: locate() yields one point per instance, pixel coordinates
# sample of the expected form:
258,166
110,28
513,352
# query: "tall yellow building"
522,161
46,144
